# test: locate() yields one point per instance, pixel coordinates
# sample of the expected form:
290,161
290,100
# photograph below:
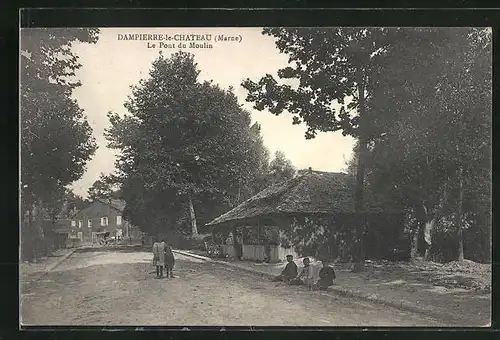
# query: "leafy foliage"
56,139
325,67
103,188
280,168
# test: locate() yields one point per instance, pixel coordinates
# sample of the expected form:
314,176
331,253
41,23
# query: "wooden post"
235,240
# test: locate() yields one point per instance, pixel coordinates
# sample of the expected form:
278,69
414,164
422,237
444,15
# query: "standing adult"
159,257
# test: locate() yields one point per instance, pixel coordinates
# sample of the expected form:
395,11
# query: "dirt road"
118,288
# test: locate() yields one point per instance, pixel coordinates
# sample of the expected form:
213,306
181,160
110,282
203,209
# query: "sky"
113,65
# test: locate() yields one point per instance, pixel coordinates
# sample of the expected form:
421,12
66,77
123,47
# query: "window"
89,222
104,221
118,220
80,236
80,224
73,223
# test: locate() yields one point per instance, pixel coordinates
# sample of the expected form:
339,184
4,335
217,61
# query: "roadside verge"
45,268
443,311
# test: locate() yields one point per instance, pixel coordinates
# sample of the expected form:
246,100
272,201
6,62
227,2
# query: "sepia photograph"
255,176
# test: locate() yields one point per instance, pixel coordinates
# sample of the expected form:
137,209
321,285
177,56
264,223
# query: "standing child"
169,260
159,258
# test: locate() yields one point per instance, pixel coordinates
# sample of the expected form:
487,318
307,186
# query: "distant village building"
101,216
311,194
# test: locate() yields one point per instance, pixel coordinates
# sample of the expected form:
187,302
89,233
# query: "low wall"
278,253
258,252
254,252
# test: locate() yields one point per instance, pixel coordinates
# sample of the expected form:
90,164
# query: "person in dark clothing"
289,272
169,261
326,276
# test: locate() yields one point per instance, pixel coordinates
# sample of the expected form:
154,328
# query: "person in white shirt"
159,257
305,276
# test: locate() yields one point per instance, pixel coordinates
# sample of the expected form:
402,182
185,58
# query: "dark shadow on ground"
115,249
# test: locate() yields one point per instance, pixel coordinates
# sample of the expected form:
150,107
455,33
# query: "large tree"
333,68
56,139
184,143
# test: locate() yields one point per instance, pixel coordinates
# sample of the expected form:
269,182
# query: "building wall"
95,212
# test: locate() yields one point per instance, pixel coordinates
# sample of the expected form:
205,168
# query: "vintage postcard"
264,176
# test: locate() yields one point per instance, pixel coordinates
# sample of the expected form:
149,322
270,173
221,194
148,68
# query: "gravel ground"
118,288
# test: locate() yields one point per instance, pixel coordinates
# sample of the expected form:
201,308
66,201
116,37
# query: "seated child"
306,275
326,276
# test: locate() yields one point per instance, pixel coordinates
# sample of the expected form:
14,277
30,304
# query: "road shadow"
114,249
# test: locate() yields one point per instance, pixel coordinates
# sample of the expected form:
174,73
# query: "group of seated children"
306,276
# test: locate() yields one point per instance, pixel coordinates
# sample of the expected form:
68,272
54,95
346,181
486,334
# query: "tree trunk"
419,238
238,198
192,218
360,176
27,238
414,245
428,240
415,237
458,217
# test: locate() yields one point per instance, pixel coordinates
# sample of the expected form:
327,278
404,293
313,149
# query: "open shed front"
259,238
256,239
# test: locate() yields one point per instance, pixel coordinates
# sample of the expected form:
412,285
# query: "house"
101,216
310,195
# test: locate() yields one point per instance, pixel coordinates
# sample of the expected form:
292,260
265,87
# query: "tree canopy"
103,188
56,139
325,64
184,142
280,168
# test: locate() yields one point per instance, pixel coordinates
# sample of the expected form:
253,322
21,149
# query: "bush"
191,243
